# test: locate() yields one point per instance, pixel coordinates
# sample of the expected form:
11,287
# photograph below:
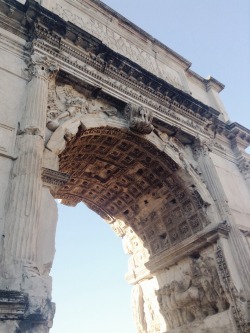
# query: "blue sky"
88,274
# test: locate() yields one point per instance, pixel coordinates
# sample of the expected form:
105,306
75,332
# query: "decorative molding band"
176,253
12,305
54,177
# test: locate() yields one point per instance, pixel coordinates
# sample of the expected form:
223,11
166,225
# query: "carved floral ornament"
201,147
244,166
140,118
40,66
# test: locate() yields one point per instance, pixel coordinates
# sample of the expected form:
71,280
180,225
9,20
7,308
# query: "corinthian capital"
42,67
244,166
202,147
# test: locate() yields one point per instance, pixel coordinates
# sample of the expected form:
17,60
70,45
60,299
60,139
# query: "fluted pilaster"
237,245
25,196
40,70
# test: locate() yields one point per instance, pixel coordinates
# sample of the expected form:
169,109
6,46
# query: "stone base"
21,313
12,305
219,323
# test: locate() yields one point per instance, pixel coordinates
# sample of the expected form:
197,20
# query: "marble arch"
105,114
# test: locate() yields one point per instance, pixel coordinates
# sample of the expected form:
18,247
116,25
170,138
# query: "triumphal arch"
93,109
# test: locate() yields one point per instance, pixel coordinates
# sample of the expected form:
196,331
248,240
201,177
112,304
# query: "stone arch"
143,186
136,128
130,179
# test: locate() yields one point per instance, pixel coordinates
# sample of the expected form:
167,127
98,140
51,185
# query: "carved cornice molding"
44,25
53,177
74,46
187,247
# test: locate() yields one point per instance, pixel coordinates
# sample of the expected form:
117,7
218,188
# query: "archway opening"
132,185
140,187
88,275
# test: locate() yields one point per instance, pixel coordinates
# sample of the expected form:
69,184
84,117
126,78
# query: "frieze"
98,62
170,112
120,44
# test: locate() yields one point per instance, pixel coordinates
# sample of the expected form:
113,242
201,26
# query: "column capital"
244,166
202,147
41,66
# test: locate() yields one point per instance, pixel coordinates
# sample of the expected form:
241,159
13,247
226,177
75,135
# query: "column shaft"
25,196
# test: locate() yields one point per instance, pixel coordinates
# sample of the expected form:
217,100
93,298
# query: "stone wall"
93,109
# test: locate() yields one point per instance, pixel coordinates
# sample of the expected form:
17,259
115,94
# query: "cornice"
61,39
105,57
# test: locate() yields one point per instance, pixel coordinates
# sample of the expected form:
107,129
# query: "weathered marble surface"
78,123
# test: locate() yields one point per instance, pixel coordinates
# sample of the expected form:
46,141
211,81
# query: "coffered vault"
105,114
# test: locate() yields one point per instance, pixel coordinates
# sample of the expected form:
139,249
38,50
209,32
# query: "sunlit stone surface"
109,116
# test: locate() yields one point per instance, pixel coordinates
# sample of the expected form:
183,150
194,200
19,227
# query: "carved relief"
54,177
41,67
120,44
65,102
239,305
140,118
196,296
138,309
146,313
244,166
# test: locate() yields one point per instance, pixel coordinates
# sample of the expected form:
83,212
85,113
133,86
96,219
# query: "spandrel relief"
65,102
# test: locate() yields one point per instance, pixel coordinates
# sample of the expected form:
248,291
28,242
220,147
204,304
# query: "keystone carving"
139,118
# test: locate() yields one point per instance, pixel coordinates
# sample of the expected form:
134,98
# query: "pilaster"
20,270
235,244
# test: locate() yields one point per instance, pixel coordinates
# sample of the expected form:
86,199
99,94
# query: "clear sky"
88,274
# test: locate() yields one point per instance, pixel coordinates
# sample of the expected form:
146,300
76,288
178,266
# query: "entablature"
79,52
